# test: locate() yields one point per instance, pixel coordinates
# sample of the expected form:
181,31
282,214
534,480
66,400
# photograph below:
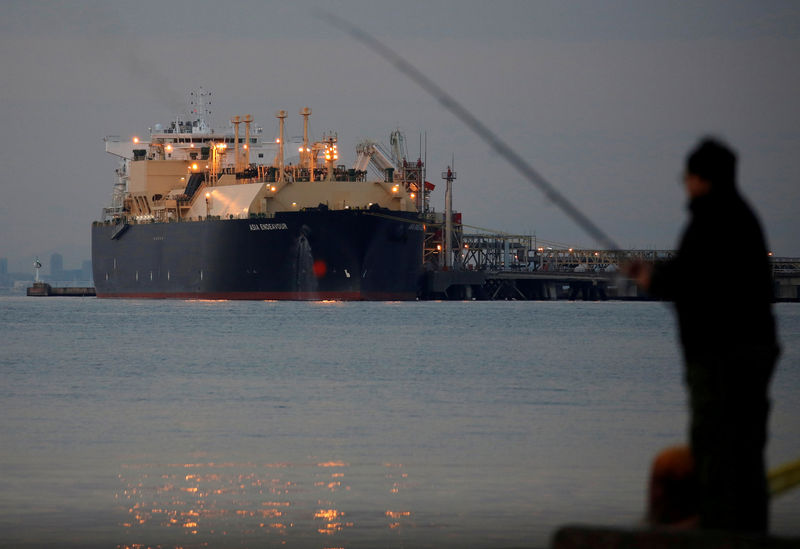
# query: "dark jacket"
720,279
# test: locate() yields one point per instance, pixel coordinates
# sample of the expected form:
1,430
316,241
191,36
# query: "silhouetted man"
728,337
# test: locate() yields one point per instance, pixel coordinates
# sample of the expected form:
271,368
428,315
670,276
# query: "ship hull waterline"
305,255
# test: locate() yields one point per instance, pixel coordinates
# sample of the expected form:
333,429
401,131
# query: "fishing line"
503,149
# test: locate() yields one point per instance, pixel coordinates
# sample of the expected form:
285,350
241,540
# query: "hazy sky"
603,98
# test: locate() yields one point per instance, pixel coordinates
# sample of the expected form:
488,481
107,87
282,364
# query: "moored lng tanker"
203,215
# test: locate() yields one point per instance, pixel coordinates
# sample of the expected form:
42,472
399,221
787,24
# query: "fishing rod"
780,479
500,146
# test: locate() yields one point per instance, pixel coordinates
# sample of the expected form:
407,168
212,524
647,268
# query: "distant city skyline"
52,267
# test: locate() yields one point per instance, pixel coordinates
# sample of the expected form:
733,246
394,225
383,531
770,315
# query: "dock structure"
518,267
43,289
786,278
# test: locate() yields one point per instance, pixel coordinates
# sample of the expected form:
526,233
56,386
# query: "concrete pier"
786,284
43,289
525,285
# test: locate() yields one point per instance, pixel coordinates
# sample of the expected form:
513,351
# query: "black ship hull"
306,255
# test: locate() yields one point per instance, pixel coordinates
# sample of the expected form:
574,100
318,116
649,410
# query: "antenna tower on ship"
200,111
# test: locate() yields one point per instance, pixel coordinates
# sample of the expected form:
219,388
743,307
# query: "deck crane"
372,154
369,154
394,166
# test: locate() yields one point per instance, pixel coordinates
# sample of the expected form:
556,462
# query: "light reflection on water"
263,424
273,503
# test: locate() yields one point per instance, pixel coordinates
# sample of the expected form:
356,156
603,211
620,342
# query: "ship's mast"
236,121
331,153
448,176
424,178
305,152
247,120
199,101
281,116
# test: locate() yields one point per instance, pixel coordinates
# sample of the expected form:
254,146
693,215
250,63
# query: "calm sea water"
266,424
